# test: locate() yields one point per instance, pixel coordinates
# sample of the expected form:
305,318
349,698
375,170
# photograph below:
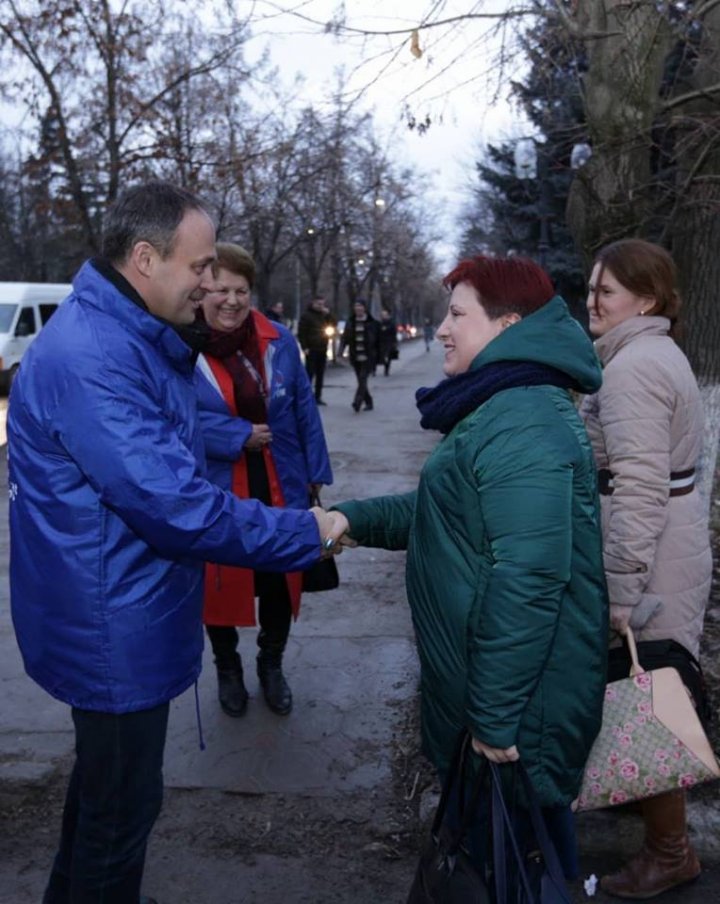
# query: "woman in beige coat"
646,425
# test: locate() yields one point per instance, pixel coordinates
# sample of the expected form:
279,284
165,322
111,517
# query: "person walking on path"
428,333
314,331
107,485
503,538
646,429
362,336
264,440
388,340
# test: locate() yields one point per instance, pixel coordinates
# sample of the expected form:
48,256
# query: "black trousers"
274,615
363,370
315,366
113,799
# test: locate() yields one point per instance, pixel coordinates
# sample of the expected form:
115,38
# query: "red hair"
505,285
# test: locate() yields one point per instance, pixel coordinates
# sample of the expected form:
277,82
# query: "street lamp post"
531,163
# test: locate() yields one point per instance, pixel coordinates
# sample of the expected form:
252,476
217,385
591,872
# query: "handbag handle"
314,498
456,771
547,848
635,668
502,829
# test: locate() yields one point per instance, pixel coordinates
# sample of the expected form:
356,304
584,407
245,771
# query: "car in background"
406,331
25,308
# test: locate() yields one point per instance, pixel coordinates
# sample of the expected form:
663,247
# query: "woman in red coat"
264,440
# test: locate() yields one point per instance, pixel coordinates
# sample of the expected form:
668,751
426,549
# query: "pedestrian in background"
275,312
106,478
428,333
362,337
264,440
388,340
314,331
646,428
504,568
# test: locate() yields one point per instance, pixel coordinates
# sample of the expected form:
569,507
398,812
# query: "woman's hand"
332,526
496,754
620,618
260,436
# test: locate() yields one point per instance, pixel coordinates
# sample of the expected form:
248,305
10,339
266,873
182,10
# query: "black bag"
394,353
323,575
446,873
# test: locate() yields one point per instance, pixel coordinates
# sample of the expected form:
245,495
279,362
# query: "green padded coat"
504,568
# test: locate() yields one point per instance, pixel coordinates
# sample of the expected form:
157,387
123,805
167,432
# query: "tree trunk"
609,198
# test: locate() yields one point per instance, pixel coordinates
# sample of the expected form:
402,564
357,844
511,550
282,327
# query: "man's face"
177,284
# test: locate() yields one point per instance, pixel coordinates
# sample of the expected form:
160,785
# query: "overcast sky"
458,79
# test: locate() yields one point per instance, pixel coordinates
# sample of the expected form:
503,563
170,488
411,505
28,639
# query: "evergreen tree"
507,213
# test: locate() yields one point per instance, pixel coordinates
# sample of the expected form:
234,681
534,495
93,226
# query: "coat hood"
549,336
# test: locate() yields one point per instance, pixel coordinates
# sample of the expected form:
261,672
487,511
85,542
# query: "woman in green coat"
504,562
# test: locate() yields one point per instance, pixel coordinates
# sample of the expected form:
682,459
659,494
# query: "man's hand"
260,436
496,754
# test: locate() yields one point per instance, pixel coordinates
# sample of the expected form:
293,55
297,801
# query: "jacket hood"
549,336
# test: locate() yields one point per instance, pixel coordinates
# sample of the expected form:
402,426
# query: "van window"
26,323
7,313
46,312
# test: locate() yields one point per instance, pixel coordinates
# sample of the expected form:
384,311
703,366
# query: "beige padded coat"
645,423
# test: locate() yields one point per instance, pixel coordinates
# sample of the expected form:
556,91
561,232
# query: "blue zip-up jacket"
298,444
111,515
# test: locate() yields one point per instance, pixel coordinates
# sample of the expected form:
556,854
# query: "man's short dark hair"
150,212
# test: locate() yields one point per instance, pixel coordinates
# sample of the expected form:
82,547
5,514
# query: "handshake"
334,531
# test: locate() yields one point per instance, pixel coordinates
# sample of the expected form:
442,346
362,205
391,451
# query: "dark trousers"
113,799
362,372
315,366
274,615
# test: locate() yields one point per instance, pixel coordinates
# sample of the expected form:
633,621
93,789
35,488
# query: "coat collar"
619,336
95,289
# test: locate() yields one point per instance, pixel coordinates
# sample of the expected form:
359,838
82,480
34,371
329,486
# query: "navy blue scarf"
442,406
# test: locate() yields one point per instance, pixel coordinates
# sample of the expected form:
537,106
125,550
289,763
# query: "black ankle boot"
232,694
278,695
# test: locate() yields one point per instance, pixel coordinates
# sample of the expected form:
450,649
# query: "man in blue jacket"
111,520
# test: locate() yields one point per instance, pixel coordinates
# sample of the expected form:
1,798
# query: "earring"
642,313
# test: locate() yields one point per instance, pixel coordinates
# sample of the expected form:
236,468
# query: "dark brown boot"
666,858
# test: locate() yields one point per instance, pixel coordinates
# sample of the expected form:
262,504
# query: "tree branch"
704,9
692,95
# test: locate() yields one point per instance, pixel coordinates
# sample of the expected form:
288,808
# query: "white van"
25,308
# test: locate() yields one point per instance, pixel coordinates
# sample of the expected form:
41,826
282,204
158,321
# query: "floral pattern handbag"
651,740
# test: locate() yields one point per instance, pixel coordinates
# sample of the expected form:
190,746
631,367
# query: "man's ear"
142,258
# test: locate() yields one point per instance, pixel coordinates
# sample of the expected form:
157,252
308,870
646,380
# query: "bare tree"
649,74
98,70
